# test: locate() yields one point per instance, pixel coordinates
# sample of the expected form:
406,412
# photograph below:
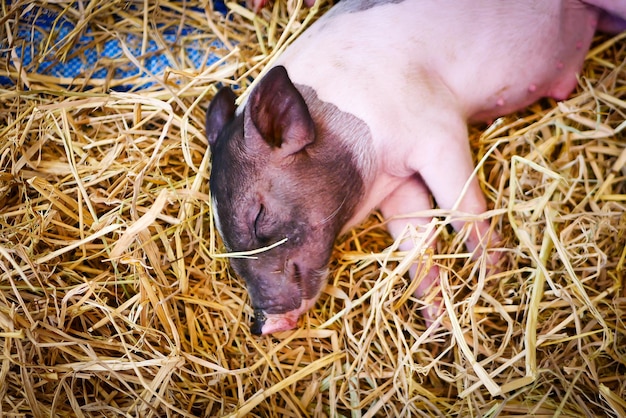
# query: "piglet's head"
278,172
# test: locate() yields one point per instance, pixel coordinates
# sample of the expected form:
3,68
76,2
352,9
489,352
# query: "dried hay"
116,300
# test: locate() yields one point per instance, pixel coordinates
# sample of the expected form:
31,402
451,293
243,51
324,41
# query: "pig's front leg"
412,197
446,168
442,170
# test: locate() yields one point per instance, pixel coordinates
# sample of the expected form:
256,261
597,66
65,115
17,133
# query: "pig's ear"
221,110
279,112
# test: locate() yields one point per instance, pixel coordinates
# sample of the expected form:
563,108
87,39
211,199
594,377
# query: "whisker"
332,215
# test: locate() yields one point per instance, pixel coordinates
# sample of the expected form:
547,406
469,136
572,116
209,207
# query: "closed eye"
258,222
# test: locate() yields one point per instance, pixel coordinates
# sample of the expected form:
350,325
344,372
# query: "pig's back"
483,58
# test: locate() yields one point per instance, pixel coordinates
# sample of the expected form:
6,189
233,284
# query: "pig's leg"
614,7
611,23
445,166
613,16
412,197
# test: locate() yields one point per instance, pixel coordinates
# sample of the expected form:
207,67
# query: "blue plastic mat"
85,60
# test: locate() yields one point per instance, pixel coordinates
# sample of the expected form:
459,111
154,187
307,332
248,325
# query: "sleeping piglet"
367,109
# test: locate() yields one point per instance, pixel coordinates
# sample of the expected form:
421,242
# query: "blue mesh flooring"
86,59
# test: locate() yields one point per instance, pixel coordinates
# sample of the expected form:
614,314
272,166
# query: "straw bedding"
116,298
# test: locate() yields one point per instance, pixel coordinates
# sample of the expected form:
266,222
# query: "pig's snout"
279,295
264,323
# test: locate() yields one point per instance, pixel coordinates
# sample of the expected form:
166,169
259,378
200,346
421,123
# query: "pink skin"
283,322
435,79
